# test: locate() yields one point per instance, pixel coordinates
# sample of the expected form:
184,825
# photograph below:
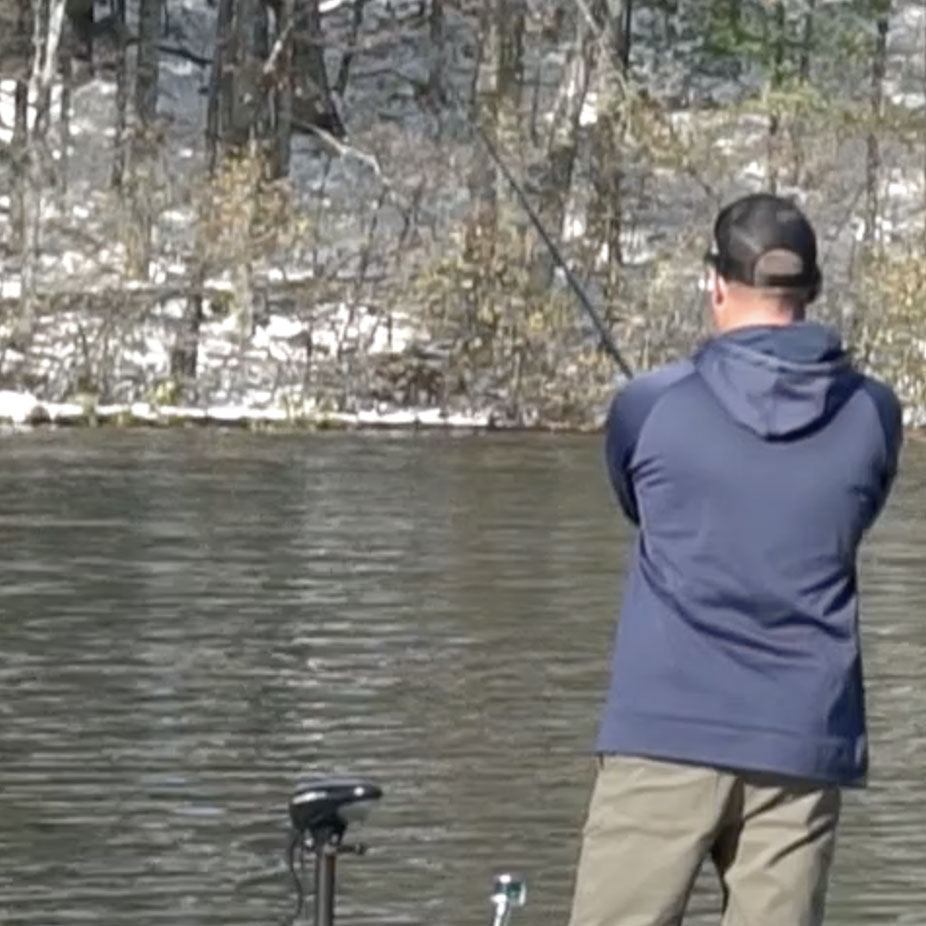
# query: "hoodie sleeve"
890,416
627,415
621,433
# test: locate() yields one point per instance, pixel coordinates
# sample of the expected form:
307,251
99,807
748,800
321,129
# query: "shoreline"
23,411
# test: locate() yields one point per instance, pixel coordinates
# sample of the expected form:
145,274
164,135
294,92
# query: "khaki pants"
651,825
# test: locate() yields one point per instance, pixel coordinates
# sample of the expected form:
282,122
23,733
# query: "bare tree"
797,128
498,87
881,10
243,106
606,213
144,136
150,14
482,179
64,119
20,139
80,28
340,83
47,22
218,114
122,101
779,30
283,89
313,104
807,41
559,157
436,51
185,351
510,16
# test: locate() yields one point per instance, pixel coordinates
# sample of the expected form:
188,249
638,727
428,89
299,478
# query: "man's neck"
758,318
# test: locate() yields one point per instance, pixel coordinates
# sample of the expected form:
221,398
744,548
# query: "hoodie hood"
778,380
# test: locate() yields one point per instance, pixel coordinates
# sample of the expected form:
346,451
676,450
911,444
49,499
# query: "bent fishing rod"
607,340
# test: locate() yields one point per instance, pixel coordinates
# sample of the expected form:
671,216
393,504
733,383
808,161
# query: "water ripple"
192,621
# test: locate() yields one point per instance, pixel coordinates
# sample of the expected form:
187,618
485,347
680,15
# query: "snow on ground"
23,409
129,354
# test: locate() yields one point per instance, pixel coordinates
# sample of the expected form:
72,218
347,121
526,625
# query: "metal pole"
325,858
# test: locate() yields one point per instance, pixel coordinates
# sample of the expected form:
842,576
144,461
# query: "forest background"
286,208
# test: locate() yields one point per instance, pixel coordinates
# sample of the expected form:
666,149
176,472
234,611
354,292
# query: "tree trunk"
619,22
669,22
20,140
482,179
120,154
283,90
511,21
144,140
261,37
726,17
807,41
340,84
774,122
150,14
242,85
48,21
436,52
562,149
80,20
64,121
605,224
798,125
312,101
218,113
184,356
882,11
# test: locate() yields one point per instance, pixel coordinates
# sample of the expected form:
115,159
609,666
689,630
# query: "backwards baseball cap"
765,241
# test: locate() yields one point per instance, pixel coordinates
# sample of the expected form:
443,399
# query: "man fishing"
735,712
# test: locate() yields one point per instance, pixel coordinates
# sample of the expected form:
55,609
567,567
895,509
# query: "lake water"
193,620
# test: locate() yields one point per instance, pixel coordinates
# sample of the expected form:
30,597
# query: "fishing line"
607,340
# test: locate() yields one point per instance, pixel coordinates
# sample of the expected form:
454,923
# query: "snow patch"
23,408
19,407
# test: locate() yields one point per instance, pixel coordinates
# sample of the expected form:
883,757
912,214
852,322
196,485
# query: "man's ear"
718,289
718,298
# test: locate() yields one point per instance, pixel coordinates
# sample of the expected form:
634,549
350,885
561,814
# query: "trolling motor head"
321,810
323,807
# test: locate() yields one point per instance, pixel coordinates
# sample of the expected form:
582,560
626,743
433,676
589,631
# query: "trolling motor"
320,812
322,809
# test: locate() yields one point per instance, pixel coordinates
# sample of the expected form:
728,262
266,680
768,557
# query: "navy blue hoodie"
753,471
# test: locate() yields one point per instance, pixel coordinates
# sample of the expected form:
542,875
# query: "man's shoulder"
649,387
881,394
632,404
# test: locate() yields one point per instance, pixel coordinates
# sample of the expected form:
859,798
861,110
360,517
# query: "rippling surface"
191,621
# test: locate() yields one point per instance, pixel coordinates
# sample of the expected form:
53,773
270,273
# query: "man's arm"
620,443
890,416
626,417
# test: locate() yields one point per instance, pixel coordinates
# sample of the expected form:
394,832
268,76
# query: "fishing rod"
607,341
